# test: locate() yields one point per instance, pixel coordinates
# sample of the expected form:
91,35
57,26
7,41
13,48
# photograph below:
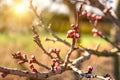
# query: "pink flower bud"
89,69
84,13
77,35
57,66
70,33
96,32
21,62
31,66
34,70
50,50
46,38
73,26
3,75
98,17
54,60
24,56
109,78
69,36
33,57
54,50
30,61
36,36
18,53
57,50
93,16
88,15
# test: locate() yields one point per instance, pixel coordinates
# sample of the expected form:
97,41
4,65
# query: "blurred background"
16,20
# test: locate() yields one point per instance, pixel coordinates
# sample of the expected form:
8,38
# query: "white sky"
56,7
42,4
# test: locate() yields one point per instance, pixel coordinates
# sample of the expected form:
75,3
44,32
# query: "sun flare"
20,9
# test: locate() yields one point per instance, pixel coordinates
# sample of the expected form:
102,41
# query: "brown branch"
38,42
87,75
112,43
69,53
39,75
48,27
104,53
35,75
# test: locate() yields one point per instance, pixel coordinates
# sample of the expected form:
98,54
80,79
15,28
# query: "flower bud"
93,16
33,57
70,33
84,13
30,61
88,15
73,26
77,35
96,32
57,50
50,50
98,17
31,66
21,62
89,69
36,36
18,53
54,60
34,70
46,38
24,56
3,75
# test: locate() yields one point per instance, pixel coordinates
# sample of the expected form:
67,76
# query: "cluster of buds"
56,65
91,15
33,59
33,68
55,50
3,75
96,32
21,57
89,69
74,33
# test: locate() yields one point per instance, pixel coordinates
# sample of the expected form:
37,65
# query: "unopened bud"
30,61
90,68
98,17
24,56
18,53
34,70
21,62
31,66
57,50
77,35
46,38
84,13
3,75
36,36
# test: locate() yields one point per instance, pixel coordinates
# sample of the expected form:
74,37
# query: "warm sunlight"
20,9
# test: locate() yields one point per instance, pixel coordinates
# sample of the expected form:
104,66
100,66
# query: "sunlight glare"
20,9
